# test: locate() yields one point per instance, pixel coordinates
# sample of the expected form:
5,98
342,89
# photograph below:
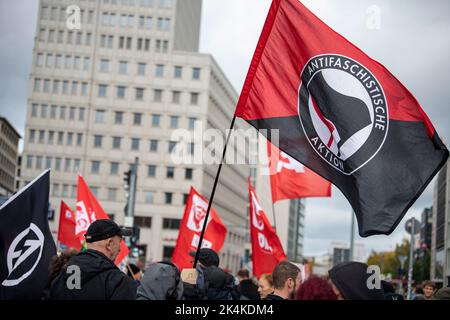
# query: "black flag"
26,243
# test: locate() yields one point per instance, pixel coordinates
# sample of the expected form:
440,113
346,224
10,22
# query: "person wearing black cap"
100,279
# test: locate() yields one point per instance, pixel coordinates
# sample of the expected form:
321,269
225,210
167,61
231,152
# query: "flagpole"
274,218
211,198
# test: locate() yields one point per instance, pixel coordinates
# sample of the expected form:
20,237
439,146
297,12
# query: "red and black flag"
342,114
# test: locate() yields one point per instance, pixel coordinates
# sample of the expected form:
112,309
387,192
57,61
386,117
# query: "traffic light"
127,179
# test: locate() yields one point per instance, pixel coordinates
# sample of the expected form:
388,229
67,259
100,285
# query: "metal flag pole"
411,259
211,198
352,237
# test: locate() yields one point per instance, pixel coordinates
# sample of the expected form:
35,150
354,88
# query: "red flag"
89,210
341,114
289,179
191,228
267,250
66,229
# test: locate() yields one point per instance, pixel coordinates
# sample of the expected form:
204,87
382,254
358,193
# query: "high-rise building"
9,143
440,240
119,87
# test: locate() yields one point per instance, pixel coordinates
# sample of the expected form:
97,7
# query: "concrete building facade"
122,86
9,144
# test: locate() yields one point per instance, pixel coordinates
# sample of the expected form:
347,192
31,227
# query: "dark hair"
429,284
315,288
243,273
282,272
58,262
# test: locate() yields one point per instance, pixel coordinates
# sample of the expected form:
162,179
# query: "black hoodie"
351,280
100,280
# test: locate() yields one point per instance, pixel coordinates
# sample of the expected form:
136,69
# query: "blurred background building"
117,88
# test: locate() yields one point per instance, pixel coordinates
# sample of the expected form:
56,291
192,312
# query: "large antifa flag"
26,243
289,179
89,210
341,114
191,228
267,250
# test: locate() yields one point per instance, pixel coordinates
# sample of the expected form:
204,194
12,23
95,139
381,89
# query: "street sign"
409,225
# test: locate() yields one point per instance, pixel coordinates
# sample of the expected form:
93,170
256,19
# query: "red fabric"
89,210
267,250
289,179
191,227
66,229
291,36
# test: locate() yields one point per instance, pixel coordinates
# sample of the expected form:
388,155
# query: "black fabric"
351,280
382,191
100,280
218,283
25,234
272,297
246,290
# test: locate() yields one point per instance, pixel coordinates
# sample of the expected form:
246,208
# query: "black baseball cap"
105,229
208,257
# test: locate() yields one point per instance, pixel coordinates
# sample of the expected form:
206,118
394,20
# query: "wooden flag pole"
211,198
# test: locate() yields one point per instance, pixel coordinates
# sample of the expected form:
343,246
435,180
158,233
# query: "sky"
409,37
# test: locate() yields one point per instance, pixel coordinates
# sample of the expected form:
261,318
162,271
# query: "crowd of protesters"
100,279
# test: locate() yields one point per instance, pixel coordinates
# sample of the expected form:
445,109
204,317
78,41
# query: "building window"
41,136
141,68
79,139
168,197
46,85
194,98
147,45
60,137
81,112
44,108
159,71
174,122
195,73
112,194
140,94
31,135
188,173
157,95
151,171
118,117
51,137
77,165
76,63
58,164
34,110
102,90
171,224
84,89
37,85
72,113
29,162
74,88
170,174
95,167
176,97
135,144
104,65
62,112
156,120
114,168
53,112
40,60
120,92
49,60
99,116
69,138
143,222
185,198
178,72
149,197
98,141
137,119
55,89
172,145
191,123
148,23
58,61
123,67
153,145
48,162
116,142
67,164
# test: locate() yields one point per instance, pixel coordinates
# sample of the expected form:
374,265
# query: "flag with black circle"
26,242
341,114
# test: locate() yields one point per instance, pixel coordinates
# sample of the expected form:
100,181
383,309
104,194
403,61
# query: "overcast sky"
412,42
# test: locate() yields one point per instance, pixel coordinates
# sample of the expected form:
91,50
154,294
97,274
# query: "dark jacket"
100,280
246,290
160,282
218,283
351,280
273,297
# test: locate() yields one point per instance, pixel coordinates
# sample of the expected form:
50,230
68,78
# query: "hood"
91,263
159,282
351,280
